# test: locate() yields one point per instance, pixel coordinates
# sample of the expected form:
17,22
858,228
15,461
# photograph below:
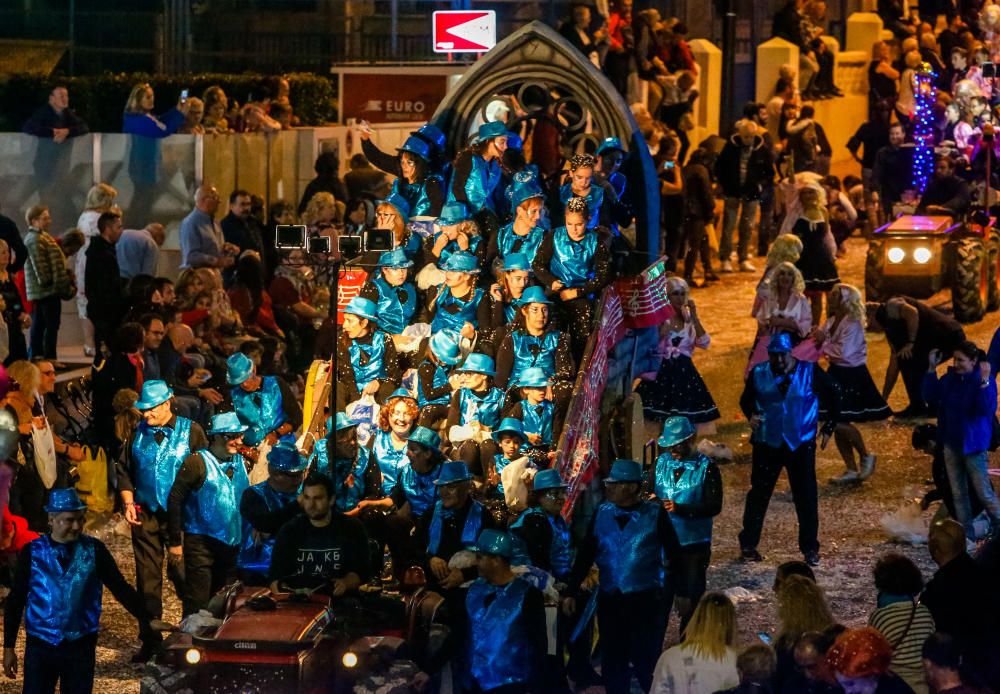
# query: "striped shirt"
891,621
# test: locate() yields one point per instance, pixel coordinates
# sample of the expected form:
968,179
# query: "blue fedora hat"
477,363
239,367
521,192
516,261
426,438
514,141
453,213
286,457
226,423
362,308
417,146
397,201
533,295
345,422
452,472
460,261
780,343
625,471
509,425
533,377
63,501
495,542
610,144
401,393
548,479
155,392
675,430
494,128
444,345
432,134
395,258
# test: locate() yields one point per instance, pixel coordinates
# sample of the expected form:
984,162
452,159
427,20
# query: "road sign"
462,31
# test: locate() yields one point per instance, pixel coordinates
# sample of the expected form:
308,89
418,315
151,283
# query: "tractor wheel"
993,278
874,267
969,294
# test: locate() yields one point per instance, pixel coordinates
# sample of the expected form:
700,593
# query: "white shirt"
798,309
846,345
680,670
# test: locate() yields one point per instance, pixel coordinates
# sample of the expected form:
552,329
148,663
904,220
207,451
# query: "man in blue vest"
162,441
58,585
630,540
264,403
689,486
266,507
204,524
366,356
507,642
782,399
455,525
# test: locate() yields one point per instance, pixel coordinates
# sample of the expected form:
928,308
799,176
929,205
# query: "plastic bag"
45,453
259,472
514,478
715,451
364,413
92,484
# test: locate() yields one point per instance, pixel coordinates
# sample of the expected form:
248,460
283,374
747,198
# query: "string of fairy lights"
923,126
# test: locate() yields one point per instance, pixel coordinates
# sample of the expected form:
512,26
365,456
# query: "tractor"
918,256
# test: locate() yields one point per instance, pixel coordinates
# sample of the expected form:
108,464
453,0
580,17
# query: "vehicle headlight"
192,656
922,254
350,659
896,254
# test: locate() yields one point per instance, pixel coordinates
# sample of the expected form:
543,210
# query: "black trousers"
632,627
695,245
912,371
208,565
404,542
430,415
70,664
46,316
686,581
149,542
767,465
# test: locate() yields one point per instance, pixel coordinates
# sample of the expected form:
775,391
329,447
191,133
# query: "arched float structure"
537,57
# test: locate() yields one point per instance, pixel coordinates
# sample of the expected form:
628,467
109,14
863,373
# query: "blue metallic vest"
483,178
486,409
470,530
507,240
348,475
452,247
688,489
156,466
416,194
572,261
630,559
530,350
618,183
390,461
509,312
63,605
467,310
419,489
214,509
500,646
261,419
393,314
560,551
255,553
536,422
367,360
594,199
440,378
790,418
500,461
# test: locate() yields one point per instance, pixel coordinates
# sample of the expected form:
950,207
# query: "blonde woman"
781,306
818,261
324,215
138,118
100,199
27,495
216,105
706,661
842,341
802,607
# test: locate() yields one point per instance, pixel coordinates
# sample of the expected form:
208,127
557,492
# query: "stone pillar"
709,59
864,30
771,55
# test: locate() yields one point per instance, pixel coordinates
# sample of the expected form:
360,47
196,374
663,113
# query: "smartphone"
184,96
668,164
763,636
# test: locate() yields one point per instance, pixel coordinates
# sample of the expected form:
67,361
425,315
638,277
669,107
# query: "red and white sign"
392,98
464,31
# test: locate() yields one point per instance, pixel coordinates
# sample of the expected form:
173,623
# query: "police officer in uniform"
689,486
162,442
782,399
629,539
204,504
264,403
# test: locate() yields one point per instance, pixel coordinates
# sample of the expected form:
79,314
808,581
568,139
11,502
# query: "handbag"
45,453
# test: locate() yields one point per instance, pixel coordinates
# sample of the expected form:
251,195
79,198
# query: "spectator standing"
887,187
138,250
577,30
202,242
56,119
216,106
193,120
100,199
882,79
699,211
106,306
870,137
139,118
12,235
742,169
618,63
239,228
46,282
327,168
13,311
671,200
364,180
706,661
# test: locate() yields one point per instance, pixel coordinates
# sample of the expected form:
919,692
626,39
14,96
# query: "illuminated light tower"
923,126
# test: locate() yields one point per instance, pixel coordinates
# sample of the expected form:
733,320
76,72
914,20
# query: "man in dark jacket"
946,193
102,283
699,210
887,184
56,119
742,170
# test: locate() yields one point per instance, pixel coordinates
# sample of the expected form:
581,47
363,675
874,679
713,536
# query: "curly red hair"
861,652
390,405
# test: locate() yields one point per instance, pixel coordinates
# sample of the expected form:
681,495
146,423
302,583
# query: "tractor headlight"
192,656
896,254
922,255
350,660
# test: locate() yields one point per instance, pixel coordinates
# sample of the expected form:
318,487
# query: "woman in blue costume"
396,421
393,213
423,191
581,184
523,235
477,172
477,407
389,288
458,304
433,387
457,232
513,277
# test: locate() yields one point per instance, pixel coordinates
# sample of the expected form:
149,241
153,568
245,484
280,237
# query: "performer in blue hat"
535,409
58,584
782,399
422,189
509,446
457,231
391,291
610,156
513,274
367,363
689,486
266,507
629,539
348,465
204,524
162,442
507,643
427,143
459,304
476,171
265,404
455,525
573,264
524,234
478,405
433,385
396,421
580,184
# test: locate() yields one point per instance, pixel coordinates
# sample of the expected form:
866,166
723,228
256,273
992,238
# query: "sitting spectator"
324,216
46,282
56,119
894,18
706,660
139,118
327,168
811,675
946,193
216,104
861,660
193,120
801,607
202,242
138,250
942,661
755,665
364,180
882,77
251,300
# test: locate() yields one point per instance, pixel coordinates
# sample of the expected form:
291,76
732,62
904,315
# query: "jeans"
71,664
746,210
965,471
45,318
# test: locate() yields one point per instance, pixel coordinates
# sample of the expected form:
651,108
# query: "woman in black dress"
817,263
14,315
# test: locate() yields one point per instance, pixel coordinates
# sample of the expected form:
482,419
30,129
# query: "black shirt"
104,287
308,557
934,329
45,120
870,137
950,192
18,252
190,478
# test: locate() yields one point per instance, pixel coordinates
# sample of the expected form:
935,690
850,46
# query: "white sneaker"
726,266
867,466
847,478
747,266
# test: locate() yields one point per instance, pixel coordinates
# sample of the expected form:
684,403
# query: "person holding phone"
782,400
966,400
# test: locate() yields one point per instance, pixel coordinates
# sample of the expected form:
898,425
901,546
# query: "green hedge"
100,99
